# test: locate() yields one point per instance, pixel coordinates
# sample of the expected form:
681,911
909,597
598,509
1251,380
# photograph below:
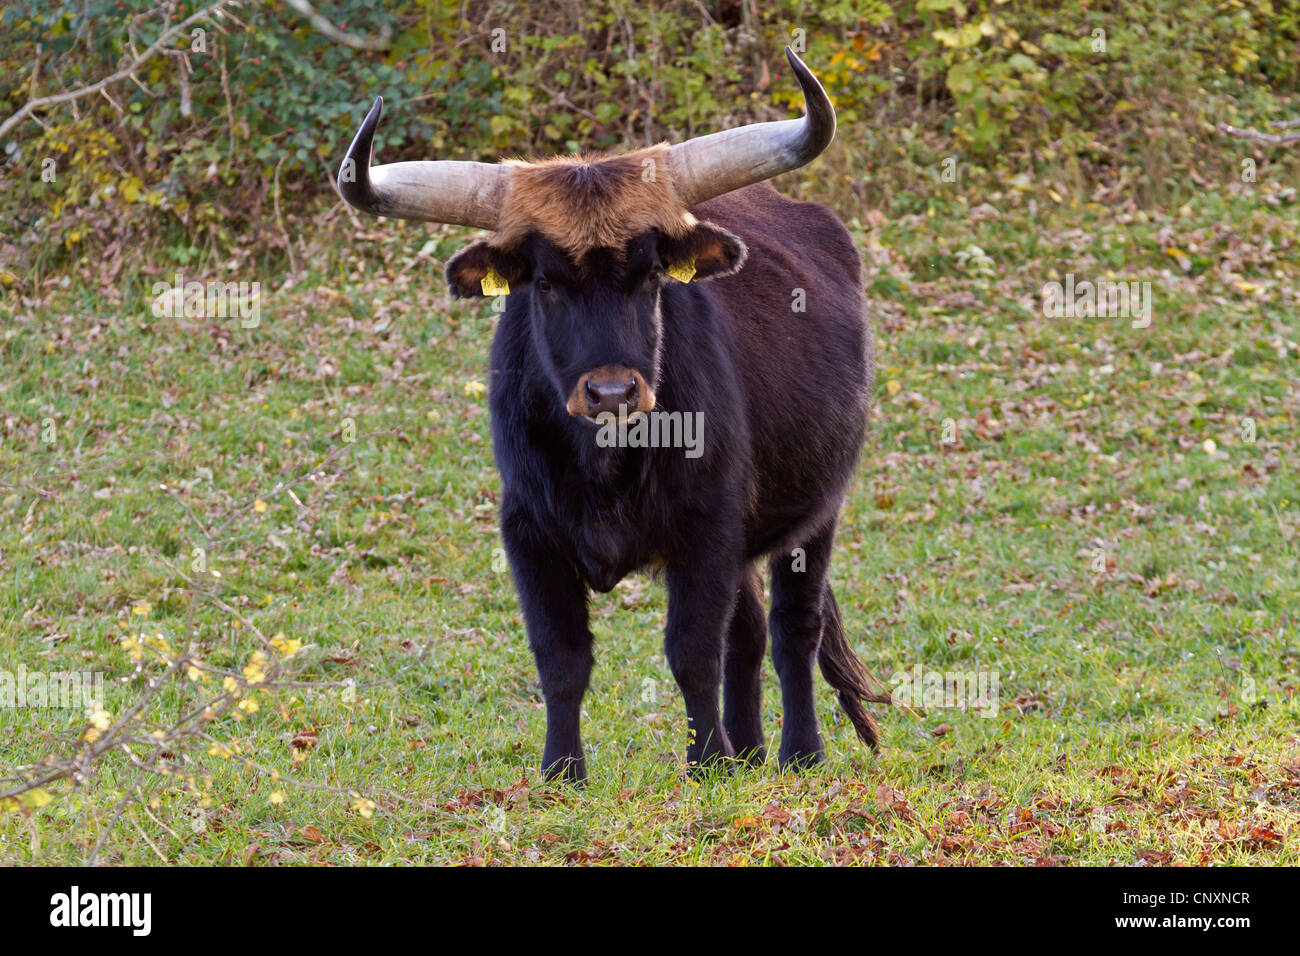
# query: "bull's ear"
706,252
469,268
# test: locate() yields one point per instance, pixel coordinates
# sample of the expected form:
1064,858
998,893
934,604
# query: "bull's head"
590,240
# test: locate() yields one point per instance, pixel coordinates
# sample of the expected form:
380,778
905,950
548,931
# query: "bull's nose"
609,389
607,396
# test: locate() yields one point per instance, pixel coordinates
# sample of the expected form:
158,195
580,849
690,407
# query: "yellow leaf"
259,506
286,647
474,389
893,387
253,670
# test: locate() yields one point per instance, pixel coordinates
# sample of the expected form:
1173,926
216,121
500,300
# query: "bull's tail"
845,672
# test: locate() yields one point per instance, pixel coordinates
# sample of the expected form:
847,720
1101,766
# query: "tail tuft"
846,673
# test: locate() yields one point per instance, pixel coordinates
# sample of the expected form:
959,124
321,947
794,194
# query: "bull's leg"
554,601
742,693
701,595
798,586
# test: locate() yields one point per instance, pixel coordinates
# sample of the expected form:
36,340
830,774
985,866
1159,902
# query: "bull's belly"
802,482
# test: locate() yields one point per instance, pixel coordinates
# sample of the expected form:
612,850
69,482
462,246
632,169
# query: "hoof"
798,761
751,757
567,769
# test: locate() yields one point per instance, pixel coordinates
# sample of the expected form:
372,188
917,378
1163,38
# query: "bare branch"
1267,139
89,90
354,40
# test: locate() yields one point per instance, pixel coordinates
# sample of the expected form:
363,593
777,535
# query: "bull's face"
597,322
618,227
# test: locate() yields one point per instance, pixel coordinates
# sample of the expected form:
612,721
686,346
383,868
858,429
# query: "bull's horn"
464,194
711,165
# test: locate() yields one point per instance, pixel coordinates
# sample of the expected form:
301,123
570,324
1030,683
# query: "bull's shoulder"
779,230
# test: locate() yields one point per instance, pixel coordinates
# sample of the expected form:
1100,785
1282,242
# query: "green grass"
1147,712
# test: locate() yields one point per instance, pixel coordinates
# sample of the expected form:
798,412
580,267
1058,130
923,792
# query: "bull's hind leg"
798,603
742,688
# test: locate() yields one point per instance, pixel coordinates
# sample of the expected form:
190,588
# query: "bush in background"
214,144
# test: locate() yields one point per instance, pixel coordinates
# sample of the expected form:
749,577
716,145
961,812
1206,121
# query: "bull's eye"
543,285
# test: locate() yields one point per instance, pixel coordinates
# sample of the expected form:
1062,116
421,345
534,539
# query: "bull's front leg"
701,597
554,601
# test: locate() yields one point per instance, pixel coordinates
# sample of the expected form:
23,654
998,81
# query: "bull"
671,279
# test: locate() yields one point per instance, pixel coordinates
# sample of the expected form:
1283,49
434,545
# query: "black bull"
768,354
777,357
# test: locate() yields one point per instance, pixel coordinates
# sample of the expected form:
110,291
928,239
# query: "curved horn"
711,165
464,194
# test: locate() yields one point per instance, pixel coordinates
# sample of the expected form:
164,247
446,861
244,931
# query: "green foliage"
205,140
1039,73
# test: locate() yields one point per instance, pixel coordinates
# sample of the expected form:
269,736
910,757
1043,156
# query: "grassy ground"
1101,533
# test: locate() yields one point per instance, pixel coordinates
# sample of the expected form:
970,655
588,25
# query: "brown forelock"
588,202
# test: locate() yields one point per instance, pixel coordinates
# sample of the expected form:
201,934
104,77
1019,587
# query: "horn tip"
805,76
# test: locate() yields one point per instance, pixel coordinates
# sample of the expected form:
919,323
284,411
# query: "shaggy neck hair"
587,202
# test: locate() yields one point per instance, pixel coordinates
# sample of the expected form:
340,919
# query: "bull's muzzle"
609,389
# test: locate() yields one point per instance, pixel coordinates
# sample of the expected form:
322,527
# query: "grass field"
1113,530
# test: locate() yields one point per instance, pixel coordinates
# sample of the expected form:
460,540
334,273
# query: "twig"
288,242
68,95
354,40
1267,139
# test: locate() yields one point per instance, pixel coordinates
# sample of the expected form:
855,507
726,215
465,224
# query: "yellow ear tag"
683,271
493,284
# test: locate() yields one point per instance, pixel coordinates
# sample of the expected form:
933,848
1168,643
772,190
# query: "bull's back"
803,349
